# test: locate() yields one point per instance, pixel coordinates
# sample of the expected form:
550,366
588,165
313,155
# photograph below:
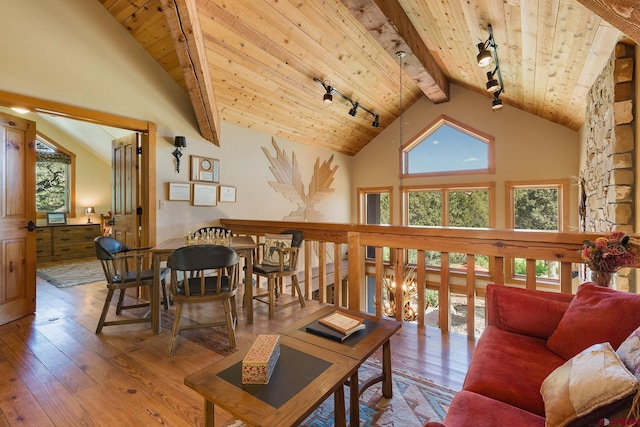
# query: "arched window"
447,147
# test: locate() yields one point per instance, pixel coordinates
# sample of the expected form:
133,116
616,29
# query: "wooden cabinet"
63,242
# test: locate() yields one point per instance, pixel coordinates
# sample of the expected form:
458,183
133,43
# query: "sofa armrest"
527,312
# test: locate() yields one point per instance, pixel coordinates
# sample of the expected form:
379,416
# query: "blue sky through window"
448,149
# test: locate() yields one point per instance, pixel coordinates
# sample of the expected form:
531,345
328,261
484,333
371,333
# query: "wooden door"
125,195
17,216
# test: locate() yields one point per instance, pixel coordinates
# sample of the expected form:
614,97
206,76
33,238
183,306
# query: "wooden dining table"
244,247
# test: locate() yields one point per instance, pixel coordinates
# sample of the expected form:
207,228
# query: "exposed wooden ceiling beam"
184,26
622,14
390,25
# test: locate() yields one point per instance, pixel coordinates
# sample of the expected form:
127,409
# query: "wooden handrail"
499,245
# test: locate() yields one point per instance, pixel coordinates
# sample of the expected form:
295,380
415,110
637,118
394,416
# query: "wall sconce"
327,98
89,211
488,54
179,142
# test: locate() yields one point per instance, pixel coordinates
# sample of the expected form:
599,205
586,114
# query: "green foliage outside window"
52,179
536,208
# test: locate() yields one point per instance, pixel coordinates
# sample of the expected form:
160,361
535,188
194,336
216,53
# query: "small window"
447,147
374,207
54,169
542,206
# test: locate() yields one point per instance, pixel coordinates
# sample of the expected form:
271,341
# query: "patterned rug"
79,273
415,401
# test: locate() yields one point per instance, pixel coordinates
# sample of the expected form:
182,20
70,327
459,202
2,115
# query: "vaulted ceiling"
253,62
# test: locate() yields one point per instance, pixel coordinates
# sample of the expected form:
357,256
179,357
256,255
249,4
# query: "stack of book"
337,326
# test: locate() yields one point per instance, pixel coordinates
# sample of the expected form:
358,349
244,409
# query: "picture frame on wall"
56,218
179,191
205,169
227,194
204,195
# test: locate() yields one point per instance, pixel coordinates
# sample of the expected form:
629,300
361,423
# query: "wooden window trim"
432,127
362,193
563,187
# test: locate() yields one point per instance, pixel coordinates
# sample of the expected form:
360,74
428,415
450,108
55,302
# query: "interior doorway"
147,159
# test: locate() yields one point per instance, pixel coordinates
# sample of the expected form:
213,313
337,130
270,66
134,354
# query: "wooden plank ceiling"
253,62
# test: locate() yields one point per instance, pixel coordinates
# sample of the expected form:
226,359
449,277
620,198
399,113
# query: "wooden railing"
500,246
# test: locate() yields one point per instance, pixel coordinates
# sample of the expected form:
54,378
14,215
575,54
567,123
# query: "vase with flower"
606,255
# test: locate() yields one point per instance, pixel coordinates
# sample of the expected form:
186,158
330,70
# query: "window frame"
362,201
563,187
434,126
445,189
71,212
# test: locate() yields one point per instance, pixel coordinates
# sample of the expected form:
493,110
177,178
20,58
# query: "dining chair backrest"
202,257
107,247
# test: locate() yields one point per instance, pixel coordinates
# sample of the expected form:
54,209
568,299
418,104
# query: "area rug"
80,273
415,401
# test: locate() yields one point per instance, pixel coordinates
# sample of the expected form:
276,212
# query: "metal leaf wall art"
289,183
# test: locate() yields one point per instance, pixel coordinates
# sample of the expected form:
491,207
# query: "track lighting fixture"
484,58
353,111
496,104
492,83
489,54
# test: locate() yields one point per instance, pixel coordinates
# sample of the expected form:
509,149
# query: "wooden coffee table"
305,375
359,347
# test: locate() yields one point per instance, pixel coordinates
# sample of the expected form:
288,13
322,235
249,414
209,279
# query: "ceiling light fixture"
327,98
489,54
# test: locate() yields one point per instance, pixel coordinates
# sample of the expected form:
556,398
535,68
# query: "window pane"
544,269
448,149
51,187
469,208
425,208
536,208
377,211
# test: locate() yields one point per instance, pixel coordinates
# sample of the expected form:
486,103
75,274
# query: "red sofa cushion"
510,368
533,313
471,409
595,315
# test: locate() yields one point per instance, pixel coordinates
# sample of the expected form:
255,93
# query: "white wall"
75,52
526,148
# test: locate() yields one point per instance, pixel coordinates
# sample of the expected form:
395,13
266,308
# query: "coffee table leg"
208,413
354,400
387,385
339,414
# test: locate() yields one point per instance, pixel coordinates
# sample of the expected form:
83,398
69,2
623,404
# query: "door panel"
17,208
125,192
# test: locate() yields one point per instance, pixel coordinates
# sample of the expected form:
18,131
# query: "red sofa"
525,341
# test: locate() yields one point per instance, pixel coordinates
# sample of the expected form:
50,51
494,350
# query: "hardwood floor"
56,372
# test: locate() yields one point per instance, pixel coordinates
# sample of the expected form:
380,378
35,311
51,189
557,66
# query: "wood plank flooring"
54,371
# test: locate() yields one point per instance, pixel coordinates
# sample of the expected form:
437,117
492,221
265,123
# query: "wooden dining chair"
204,273
123,269
278,258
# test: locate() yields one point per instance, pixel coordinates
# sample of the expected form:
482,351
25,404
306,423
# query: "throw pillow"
527,314
595,378
272,244
629,352
595,315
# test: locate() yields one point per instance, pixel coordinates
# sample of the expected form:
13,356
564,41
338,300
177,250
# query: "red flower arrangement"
609,254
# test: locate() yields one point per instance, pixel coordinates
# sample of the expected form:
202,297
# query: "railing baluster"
421,286
322,271
471,295
337,274
379,280
444,295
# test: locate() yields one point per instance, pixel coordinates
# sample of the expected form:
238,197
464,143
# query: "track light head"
354,110
484,56
492,84
327,98
376,121
497,102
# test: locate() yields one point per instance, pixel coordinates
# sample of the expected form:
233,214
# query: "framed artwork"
204,195
56,218
227,193
179,191
205,169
